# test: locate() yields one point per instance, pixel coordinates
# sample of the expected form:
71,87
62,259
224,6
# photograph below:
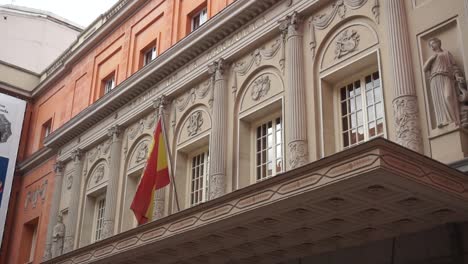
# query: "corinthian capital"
114,131
217,68
290,24
58,167
76,154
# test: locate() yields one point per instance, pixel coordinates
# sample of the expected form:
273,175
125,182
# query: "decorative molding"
101,151
297,154
322,21
33,196
98,173
76,154
376,11
195,121
114,130
69,182
138,128
189,97
256,57
406,114
260,88
346,43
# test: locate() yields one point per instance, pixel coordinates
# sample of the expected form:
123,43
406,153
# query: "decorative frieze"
346,43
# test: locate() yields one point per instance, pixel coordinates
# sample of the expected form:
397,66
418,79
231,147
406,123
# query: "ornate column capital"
58,167
77,154
160,102
114,131
217,69
289,25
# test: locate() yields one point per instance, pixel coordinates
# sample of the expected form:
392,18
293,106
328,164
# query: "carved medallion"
346,43
99,174
195,122
260,88
142,152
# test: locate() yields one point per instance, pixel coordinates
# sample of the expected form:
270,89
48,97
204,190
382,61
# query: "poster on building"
11,122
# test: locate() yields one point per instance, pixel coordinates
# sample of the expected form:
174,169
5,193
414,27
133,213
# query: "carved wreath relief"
195,122
142,152
346,43
260,88
99,173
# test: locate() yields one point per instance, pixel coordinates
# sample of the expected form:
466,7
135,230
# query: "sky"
82,12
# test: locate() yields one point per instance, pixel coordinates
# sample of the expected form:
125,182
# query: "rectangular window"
100,207
199,18
46,129
109,83
361,110
269,149
32,251
199,180
149,55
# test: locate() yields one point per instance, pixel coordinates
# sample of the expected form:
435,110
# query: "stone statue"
58,237
444,75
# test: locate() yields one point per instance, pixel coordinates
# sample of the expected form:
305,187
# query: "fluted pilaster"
74,201
218,139
295,111
54,208
405,105
112,184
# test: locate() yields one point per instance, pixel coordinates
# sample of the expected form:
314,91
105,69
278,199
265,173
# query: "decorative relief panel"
98,176
139,153
264,85
38,193
145,125
338,9
350,40
264,56
197,122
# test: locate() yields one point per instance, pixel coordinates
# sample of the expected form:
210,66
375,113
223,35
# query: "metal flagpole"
171,167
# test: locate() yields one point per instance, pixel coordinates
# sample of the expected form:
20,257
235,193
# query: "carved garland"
138,129
256,57
322,21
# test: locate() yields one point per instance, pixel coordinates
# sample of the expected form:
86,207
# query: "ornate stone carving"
264,53
58,167
260,87
99,173
142,152
297,154
58,237
446,80
69,181
32,197
68,244
189,98
114,130
195,122
406,119
322,21
107,228
76,154
376,11
216,186
347,42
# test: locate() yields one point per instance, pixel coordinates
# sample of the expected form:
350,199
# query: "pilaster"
218,138
405,104
295,106
114,133
74,201
54,208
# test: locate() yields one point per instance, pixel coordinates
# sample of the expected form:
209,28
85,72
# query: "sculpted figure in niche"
58,237
445,78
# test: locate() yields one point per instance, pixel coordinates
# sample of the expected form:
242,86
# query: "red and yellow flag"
155,176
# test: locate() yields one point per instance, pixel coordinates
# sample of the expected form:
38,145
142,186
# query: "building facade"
299,131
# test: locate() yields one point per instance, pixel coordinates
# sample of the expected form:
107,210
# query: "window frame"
46,129
111,76
361,77
144,52
253,151
198,14
206,176
98,222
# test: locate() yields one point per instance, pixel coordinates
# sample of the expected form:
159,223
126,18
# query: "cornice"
35,159
92,36
210,34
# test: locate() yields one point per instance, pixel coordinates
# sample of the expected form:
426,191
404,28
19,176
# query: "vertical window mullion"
364,108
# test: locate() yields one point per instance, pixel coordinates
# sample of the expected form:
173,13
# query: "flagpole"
161,115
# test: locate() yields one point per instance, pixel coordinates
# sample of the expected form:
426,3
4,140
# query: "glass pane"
380,127
353,135
344,109
264,156
278,137
360,119
259,158
345,139
370,113
369,97
259,172
353,105
270,168
360,134
357,84
279,165
353,121
372,129
270,129
279,153
378,108
344,123
343,95
358,102
378,94
376,76
270,140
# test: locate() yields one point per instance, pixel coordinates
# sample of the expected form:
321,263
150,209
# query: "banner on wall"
11,122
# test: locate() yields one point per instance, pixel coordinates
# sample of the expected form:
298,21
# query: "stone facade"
269,88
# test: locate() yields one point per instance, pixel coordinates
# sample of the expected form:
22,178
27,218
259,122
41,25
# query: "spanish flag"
155,176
